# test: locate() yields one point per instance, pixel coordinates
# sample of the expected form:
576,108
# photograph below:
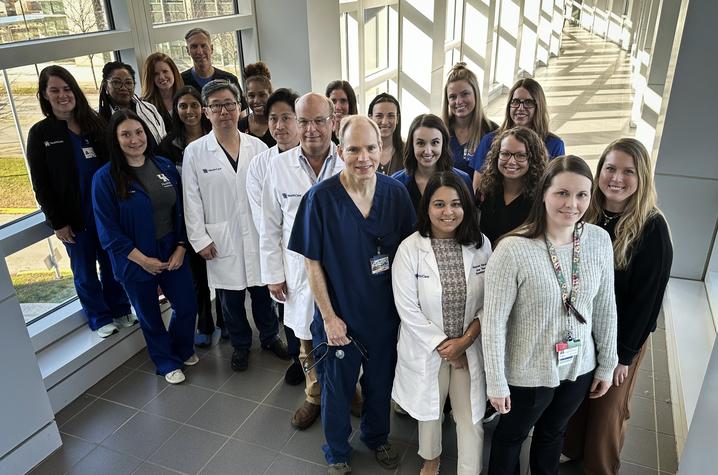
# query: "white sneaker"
107,330
175,377
126,321
192,360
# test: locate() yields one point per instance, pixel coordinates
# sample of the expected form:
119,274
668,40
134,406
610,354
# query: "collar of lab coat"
424,246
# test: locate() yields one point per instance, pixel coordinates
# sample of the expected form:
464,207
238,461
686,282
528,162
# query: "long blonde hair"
641,205
479,124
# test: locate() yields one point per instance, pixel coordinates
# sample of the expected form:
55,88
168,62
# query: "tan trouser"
312,388
596,431
469,436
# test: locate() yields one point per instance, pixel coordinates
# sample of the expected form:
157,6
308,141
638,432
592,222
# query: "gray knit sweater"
524,316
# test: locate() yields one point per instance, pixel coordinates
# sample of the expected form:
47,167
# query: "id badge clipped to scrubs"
567,350
379,263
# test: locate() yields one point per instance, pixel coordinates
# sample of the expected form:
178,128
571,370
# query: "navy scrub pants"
338,379
169,347
548,411
235,316
103,299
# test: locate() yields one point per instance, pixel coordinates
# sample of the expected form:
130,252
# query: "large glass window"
168,11
226,53
376,39
33,19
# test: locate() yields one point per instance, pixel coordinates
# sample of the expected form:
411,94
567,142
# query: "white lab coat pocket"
222,238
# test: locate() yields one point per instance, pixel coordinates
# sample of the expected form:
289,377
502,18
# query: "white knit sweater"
524,315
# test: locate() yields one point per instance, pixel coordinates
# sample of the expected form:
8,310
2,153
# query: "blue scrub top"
462,159
329,228
554,148
87,163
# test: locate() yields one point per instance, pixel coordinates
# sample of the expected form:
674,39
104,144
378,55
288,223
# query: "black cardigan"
641,285
54,174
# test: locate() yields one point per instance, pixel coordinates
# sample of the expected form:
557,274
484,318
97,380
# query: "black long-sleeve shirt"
641,285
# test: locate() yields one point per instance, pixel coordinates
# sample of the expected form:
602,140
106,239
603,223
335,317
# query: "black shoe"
240,360
294,375
223,333
279,348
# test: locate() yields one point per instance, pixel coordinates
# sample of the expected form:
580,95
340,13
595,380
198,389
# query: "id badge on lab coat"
379,264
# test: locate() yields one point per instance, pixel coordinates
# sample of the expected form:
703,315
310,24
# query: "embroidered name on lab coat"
207,170
479,269
421,276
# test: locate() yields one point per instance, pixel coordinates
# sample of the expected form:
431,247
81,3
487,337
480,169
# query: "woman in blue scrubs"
64,151
426,153
138,209
527,107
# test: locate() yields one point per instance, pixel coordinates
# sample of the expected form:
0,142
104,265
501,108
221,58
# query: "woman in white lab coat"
438,280
219,221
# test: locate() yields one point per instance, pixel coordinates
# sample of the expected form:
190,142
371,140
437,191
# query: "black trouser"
205,322
548,411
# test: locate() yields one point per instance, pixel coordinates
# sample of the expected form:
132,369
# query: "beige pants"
469,437
312,388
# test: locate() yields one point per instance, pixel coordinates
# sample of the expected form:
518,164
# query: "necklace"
607,219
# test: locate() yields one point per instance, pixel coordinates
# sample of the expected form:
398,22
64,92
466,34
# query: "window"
29,20
226,53
168,11
376,39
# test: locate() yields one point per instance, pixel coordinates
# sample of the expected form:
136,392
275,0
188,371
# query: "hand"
501,404
153,266
460,363
65,234
336,331
620,374
452,348
278,291
176,259
599,388
209,252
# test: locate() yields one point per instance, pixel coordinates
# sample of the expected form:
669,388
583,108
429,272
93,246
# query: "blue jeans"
103,299
235,316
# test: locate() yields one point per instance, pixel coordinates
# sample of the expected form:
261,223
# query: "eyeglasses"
527,103
228,106
520,157
318,123
338,353
119,84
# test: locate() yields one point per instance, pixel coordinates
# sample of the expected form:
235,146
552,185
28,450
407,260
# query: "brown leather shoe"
305,415
357,403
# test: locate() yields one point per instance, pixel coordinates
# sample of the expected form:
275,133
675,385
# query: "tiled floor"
221,422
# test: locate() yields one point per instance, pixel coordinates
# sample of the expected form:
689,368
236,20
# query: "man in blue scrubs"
348,228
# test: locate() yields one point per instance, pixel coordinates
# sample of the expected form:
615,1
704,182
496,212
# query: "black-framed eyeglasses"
527,103
119,84
228,106
338,353
520,157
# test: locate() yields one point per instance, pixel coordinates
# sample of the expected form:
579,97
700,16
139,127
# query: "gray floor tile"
110,380
628,468
188,450
72,409
140,358
663,390
268,427
403,428
286,397
211,372
71,452
222,413
284,464
106,462
411,463
667,458
658,339
307,444
136,390
664,416
266,359
254,384
240,457
98,420
660,364
644,385
141,435
151,469
178,402
362,459
640,448
642,413
221,349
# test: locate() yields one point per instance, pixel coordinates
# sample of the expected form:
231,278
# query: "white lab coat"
255,181
217,210
285,184
417,295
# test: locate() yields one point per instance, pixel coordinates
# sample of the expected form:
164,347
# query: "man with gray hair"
200,48
219,221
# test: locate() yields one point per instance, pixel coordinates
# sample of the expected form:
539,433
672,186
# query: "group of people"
473,263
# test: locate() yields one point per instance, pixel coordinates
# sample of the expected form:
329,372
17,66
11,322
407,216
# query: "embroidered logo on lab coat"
479,269
291,195
207,170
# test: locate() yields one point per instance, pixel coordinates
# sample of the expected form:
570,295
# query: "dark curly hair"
106,106
492,181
